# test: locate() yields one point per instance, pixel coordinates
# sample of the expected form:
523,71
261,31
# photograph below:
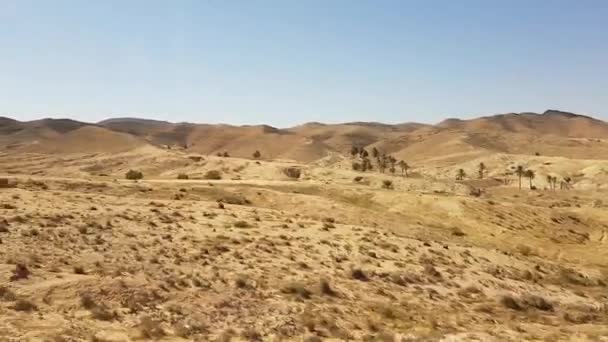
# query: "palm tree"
460,174
530,175
375,153
404,167
520,173
392,161
482,168
554,183
566,183
382,163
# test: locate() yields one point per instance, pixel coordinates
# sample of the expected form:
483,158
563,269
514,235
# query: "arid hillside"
136,230
552,133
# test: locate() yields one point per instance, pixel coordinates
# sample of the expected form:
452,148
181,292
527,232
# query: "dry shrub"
20,272
182,176
150,328
24,305
241,282
297,289
403,279
292,172
242,224
213,175
470,292
234,199
358,274
458,232
387,184
525,250
573,277
134,175
526,302
326,289
7,295
251,335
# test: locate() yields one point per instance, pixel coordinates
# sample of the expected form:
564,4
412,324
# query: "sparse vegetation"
387,184
292,172
481,170
358,274
460,174
520,172
242,224
323,258
213,175
134,175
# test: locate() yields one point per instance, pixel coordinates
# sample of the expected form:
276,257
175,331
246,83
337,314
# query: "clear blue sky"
287,62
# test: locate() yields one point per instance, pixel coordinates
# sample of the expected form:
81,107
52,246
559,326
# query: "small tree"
134,175
226,155
460,174
404,167
482,169
257,154
354,151
530,175
554,183
375,153
392,169
366,165
382,163
520,172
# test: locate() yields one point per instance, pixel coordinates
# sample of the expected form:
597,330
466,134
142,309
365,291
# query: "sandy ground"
86,255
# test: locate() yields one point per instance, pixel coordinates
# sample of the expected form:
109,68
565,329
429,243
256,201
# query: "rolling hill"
552,133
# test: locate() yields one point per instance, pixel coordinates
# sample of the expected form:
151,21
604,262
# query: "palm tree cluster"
521,172
383,161
481,169
552,181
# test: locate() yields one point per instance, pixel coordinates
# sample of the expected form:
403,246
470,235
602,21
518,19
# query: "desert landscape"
489,229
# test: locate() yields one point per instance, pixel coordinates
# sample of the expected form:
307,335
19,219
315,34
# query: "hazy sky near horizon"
287,62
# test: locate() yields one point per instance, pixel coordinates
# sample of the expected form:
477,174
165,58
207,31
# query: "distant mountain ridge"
509,133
